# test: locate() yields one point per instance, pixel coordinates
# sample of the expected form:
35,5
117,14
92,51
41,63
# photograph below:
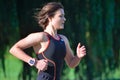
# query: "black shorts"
44,76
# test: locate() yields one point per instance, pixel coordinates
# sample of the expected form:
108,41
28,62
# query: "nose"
64,19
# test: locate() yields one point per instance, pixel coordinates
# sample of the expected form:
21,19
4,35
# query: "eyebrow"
62,14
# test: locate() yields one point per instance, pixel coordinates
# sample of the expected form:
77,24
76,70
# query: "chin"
61,28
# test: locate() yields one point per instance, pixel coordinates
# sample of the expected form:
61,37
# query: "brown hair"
47,11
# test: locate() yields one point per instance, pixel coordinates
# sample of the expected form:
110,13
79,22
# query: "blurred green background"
94,23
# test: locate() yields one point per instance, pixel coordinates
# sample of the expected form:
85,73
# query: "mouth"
62,24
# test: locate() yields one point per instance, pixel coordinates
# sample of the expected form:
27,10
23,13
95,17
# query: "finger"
79,45
39,71
84,51
83,47
46,68
46,64
45,60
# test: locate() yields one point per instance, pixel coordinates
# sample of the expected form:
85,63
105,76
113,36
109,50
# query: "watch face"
32,62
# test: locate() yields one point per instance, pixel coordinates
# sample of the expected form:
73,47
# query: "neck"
51,30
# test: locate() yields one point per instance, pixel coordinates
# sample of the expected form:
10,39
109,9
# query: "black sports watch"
32,62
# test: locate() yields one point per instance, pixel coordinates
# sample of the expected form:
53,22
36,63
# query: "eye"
61,16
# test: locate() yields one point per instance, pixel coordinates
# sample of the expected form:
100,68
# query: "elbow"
72,66
11,50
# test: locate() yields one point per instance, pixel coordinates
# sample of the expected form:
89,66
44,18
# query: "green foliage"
94,23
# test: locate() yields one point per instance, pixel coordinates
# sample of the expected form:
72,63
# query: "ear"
50,19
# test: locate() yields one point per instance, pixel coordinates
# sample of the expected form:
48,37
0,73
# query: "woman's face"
58,19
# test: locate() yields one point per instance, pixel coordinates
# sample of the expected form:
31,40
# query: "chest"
56,49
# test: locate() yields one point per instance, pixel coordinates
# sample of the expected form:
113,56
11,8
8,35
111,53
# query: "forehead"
59,12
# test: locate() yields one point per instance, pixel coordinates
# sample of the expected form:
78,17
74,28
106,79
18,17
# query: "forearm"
20,54
74,62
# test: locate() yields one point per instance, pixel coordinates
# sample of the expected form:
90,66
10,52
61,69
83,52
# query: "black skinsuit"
55,54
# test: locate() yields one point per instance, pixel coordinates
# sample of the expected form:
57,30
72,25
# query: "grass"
13,68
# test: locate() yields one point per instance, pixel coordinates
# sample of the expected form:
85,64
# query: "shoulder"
38,36
64,38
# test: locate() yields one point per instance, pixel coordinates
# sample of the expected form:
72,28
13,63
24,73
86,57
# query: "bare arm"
71,60
29,41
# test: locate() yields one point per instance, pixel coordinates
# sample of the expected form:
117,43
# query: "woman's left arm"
71,60
81,52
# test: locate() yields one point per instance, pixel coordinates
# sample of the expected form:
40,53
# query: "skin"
39,42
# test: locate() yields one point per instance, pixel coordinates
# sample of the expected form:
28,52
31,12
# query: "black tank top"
54,53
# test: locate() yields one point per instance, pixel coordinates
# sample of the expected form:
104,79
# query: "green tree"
94,23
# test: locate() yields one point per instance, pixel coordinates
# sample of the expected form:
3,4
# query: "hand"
81,51
41,65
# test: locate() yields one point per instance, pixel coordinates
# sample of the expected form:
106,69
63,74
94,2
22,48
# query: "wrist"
78,58
32,62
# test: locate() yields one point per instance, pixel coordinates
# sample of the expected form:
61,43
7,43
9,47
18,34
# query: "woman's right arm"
18,49
31,40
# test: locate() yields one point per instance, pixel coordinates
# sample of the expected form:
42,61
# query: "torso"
54,51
